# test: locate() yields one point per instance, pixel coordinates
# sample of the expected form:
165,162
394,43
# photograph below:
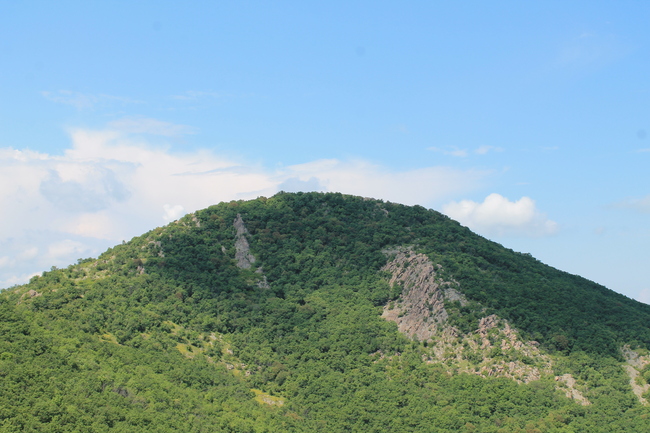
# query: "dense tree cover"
165,332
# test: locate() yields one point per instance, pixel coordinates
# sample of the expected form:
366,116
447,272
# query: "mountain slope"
266,315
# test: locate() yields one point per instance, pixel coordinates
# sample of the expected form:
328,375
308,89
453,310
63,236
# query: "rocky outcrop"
242,249
158,246
28,295
243,256
494,348
568,384
420,310
262,283
633,367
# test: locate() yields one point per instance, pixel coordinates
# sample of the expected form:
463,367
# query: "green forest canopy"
167,333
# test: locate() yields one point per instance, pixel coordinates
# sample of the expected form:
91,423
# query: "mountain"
320,312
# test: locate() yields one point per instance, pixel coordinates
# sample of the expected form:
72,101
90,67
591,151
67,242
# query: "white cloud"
99,225
420,186
294,184
112,184
28,254
75,186
65,248
499,216
24,255
172,213
17,279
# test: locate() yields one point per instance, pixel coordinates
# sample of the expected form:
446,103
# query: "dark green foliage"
166,333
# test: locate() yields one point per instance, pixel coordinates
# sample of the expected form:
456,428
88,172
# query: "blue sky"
528,122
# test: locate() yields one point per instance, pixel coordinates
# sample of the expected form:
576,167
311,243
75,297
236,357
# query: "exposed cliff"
242,248
493,348
420,311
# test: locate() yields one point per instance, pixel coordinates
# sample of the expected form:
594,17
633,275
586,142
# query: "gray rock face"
421,310
243,256
634,365
420,314
242,249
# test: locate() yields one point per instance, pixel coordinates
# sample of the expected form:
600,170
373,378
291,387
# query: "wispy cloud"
144,125
501,217
637,204
85,101
589,49
462,153
193,95
452,151
402,128
485,149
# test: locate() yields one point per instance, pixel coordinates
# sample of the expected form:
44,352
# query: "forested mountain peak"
320,311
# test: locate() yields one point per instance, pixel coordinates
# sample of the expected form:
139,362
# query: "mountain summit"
320,312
